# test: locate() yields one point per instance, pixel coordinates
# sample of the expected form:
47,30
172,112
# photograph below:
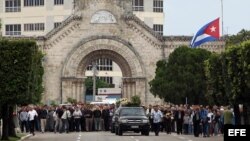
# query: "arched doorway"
73,73
110,68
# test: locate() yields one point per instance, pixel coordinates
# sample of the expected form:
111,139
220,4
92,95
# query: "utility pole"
222,19
94,79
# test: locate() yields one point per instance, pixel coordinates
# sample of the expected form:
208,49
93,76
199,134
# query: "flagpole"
222,18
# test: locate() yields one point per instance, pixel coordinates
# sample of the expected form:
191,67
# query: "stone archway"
119,51
104,53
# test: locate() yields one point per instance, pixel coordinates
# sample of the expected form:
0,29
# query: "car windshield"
132,112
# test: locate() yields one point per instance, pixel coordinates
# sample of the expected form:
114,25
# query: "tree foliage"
21,72
237,39
181,77
216,79
135,100
232,70
71,100
99,84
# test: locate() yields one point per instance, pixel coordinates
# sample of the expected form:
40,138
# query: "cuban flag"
209,32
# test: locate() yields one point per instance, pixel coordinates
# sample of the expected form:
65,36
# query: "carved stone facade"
102,29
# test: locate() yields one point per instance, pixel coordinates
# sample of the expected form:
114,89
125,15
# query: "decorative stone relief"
103,17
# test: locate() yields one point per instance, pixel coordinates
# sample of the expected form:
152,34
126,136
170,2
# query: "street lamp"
94,69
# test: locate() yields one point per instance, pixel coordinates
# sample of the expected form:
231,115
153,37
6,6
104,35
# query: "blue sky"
185,17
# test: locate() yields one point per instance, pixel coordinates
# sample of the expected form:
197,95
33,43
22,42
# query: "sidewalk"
25,137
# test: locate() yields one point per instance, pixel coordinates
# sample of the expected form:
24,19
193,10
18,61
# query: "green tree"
181,77
99,84
228,76
238,66
158,84
237,39
71,100
21,74
217,80
135,100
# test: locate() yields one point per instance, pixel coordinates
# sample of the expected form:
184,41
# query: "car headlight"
145,121
123,120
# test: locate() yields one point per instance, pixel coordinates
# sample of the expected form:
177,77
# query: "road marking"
182,138
136,140
132,137
79,137
190,140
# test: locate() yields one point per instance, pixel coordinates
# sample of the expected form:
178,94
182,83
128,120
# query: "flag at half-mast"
209,32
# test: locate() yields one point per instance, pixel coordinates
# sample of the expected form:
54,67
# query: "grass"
19,135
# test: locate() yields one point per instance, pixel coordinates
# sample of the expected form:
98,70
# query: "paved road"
107,136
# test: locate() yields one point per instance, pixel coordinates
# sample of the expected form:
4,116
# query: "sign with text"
241,132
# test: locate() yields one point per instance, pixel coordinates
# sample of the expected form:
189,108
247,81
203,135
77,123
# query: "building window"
56,24
58,2
34,27
103,64
158,28
108,80
33,3
13,29
138,5
158,6
12,5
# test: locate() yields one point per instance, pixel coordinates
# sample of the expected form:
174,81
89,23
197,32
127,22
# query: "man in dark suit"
179,119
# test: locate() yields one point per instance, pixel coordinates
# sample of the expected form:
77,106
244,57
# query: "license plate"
134,126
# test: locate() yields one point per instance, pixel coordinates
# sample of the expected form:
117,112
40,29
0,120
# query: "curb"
25,137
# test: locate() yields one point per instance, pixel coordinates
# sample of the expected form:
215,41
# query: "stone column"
132,88
82,94
127,90
70,90
135,86
79,91
124,90
140,89
64,89
73,94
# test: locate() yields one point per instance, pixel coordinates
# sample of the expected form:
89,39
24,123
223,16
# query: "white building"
38,17
107,70
32,17
151,12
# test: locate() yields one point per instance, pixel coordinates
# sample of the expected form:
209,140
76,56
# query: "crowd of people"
183,119
198,120
65,118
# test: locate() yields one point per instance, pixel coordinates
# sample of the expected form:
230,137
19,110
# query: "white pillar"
124,89
73,94
82,92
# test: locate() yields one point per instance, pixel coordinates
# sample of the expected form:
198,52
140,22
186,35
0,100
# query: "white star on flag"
213,29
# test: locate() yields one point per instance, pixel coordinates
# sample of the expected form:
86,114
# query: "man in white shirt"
149,112
157,118
32,114
210,117
65,119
